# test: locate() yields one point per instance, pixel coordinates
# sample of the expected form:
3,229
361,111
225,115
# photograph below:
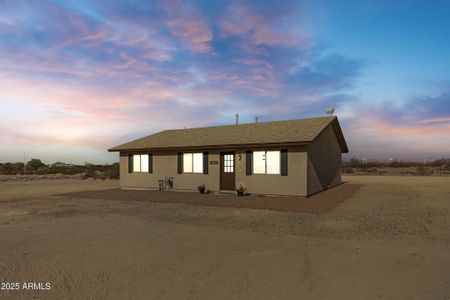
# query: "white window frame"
271,152
142,165
196,165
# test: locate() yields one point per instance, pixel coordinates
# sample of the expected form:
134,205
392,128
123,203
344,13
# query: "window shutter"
284,162
180,162
248,162
150,163
205,162
130,163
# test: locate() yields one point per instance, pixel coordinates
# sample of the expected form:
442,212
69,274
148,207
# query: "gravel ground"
389,239
318,203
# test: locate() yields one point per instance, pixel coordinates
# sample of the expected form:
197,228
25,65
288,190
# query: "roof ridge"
247,124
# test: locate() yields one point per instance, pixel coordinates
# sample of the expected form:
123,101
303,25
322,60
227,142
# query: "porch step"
227,192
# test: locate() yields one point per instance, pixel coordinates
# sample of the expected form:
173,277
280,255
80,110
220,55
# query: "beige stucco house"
294,157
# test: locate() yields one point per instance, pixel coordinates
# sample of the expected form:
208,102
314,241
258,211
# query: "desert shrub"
90,173
440,162
18,167
12,168
349,170
397,164
113,171
42,170
354,163
65,170
408,173
35,164
423,171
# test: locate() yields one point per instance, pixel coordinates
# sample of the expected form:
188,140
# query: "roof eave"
334,122
207,147
340,135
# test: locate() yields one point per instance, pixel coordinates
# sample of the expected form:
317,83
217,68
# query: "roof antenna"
330,111
256,119
237,119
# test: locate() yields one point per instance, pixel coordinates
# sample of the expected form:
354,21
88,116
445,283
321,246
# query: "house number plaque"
213,162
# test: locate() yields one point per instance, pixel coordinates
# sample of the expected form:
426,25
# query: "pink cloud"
375,124
436,120
188,25
96,116
379,137
193,31
388,129
257,28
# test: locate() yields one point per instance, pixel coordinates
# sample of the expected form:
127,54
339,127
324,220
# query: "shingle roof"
302,131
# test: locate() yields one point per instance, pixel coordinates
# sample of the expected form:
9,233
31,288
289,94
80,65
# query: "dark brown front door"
227,179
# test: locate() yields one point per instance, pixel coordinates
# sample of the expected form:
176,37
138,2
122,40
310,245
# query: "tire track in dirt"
67,281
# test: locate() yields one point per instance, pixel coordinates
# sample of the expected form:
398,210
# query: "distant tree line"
359,163
435,167
36,166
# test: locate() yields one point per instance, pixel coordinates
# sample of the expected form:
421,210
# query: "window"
273,162
259,162
144,163
198,162
141,163
228,163
187,162
136,163
192,162
266,162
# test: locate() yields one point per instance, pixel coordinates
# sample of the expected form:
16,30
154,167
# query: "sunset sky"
79,77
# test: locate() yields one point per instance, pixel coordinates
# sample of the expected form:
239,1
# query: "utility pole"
24,164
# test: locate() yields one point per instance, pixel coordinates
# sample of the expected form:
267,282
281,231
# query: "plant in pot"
241,190
201,188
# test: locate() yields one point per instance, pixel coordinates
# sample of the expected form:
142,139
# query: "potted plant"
201,188
241,190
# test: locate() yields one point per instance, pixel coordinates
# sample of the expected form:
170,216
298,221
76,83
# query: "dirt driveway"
390,240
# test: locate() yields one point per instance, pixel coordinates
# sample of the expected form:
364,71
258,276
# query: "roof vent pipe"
237,119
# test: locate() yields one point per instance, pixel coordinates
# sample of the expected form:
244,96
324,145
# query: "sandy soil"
390,240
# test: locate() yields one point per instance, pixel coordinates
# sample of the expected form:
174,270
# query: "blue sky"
77,77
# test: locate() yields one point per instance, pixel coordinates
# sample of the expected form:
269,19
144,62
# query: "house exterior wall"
294,184
324,162
165,164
